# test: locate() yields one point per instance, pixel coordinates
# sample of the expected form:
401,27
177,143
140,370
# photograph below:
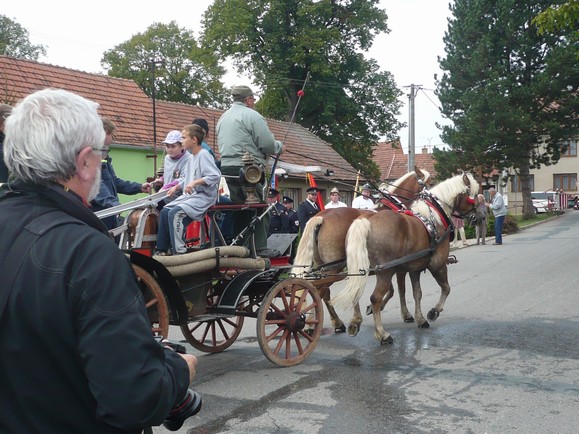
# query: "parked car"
543,201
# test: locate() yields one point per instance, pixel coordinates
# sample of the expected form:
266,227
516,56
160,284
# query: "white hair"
46,131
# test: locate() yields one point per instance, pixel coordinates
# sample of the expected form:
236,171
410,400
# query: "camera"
188,406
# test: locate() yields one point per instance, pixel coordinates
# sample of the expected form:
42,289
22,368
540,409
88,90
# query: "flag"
319,200
273,184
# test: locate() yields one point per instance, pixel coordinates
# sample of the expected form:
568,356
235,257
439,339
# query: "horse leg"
385,301
441,277
417,292
383,285
355,322
401,282
337,323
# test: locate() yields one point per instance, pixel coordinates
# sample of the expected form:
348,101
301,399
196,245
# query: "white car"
543,201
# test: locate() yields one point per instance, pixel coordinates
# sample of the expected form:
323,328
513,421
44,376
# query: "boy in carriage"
199,193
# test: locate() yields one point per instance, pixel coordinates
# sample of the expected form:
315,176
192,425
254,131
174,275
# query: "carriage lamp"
250,175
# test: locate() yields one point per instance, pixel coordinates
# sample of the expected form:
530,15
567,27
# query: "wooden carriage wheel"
154,301
210,333
287,309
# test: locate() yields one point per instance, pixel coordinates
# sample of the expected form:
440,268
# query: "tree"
510,92
15,42
348,101
564,16
184,72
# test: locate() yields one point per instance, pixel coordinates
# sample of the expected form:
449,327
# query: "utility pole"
411,127
153,96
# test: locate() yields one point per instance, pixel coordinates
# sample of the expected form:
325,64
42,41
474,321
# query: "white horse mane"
447,191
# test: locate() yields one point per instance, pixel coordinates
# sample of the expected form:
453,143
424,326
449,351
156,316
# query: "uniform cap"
312,190
173,137
287,199
334,190
273,192
367,187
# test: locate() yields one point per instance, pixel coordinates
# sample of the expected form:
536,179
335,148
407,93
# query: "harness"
436,238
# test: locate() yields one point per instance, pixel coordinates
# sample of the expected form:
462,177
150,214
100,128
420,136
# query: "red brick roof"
132,111
393,162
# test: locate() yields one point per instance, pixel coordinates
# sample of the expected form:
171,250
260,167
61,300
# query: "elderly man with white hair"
78,352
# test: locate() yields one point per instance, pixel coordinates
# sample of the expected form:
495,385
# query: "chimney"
425,150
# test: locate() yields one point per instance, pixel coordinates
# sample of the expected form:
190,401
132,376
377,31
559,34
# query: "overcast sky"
77,33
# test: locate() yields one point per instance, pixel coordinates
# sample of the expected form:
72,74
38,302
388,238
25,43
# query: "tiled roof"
121,100
393,162
132,111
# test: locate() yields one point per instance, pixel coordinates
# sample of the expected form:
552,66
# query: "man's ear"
83,163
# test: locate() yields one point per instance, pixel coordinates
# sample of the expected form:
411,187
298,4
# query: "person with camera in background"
78,354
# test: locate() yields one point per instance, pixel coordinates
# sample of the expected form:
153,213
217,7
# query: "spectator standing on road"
5,111
78,352
497,204
308,208
481,219
111,185
241,129
335,200
364,201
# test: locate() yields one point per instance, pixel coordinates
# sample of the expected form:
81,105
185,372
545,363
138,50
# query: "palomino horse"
412,241
323,242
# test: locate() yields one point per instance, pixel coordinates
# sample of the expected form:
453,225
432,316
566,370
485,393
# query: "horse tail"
305,254
357,259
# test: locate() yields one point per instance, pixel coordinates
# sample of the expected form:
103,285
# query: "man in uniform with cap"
241,129
308,208
364,201
276,214
335,201
290,222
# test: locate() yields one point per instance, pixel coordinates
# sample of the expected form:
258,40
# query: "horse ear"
418,172
466,179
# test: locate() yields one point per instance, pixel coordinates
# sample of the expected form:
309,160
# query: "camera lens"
187,407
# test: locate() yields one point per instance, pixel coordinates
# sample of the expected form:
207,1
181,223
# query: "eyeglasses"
104,151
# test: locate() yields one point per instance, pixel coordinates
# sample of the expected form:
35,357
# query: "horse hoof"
353,330
409,319
341,329
424,325
432,314
386,341
369,310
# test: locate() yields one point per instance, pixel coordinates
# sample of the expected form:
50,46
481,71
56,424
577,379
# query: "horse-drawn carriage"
209,292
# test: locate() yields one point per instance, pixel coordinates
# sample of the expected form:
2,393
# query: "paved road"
502,358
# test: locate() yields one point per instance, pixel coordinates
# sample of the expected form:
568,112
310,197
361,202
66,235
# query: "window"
516,184
565,181
571,150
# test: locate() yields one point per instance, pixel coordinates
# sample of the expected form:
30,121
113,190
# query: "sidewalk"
490,238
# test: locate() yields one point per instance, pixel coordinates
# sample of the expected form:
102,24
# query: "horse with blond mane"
387,243
323,242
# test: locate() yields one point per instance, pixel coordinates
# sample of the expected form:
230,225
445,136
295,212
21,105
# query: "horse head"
464,203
